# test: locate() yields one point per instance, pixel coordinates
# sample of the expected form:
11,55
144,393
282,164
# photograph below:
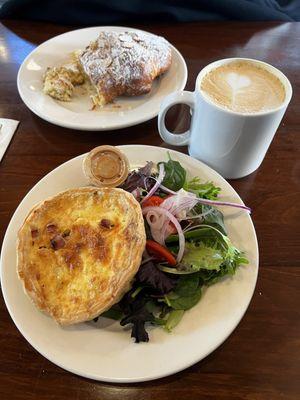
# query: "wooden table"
261,359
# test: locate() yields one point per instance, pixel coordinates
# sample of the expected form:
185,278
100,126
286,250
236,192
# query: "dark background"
99,12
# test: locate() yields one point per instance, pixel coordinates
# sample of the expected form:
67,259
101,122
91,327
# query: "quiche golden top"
78,252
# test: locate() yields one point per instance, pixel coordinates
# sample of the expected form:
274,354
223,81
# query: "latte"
244,87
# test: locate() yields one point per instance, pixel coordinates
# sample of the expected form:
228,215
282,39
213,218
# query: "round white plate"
105,351
77,114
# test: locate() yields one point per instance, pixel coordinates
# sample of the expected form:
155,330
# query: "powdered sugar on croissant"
124,63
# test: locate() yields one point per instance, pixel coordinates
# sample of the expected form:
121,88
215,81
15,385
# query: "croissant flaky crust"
125,63
115,64
79,251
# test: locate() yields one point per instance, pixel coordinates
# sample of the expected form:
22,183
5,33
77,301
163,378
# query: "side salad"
187,247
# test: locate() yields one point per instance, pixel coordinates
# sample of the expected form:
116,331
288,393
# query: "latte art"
244,87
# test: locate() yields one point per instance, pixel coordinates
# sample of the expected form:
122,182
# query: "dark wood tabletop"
261,359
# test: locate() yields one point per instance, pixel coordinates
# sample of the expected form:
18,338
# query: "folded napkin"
7,130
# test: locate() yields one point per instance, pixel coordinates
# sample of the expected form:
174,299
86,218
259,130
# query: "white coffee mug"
232,143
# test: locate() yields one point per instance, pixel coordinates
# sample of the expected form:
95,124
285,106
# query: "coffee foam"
244,87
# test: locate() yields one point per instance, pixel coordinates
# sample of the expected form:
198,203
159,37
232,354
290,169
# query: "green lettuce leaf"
175,174
207,252
209,277
205,190
186,294
198,256
232,258
174,318
214,218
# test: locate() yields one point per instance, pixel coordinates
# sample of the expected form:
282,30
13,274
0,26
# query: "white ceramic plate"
77,114
105,351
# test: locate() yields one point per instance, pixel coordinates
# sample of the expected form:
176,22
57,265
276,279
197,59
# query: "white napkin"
7,130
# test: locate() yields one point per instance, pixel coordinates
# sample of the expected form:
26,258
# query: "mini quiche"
79,251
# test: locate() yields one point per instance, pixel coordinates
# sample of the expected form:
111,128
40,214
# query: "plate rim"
154,376
115,126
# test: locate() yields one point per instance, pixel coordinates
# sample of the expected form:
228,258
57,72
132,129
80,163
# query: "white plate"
105,351
77,114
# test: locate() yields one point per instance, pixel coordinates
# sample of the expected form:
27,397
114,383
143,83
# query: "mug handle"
182,97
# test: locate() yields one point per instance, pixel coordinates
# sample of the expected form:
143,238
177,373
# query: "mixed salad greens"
187,247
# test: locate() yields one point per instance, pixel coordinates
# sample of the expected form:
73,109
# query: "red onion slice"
223,203
162,187
181,201
190,228
171,217
199,215
160,178
200,200
154,220
167,190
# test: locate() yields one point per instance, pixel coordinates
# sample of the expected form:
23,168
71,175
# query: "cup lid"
106,166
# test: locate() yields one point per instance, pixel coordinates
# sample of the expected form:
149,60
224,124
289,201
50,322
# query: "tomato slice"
153,201
172,228
160,251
